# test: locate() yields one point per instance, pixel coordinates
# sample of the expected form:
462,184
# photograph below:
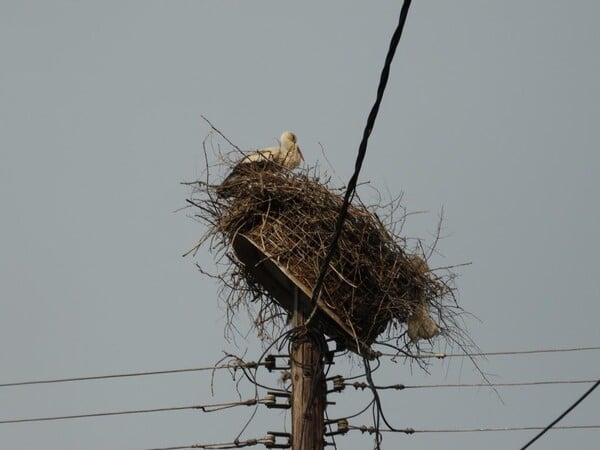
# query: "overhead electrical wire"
476,430
507,384
204,408
399,387
247,365
372,430
252,364
442,355
223,445
552,425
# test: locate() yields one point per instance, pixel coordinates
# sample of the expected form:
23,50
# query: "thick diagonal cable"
362,151
559,418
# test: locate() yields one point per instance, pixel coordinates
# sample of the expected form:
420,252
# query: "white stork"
287,155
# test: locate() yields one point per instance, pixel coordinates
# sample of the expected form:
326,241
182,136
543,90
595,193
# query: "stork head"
288,136
288,140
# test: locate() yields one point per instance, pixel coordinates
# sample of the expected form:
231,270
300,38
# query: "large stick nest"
375,282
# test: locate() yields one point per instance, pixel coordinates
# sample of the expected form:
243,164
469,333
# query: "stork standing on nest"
286,156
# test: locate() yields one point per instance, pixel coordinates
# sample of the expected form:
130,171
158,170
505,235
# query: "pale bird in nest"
420,324
286,156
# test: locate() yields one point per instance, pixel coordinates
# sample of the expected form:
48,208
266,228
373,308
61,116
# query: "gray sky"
492,112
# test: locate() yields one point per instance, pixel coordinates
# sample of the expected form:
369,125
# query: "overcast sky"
492,112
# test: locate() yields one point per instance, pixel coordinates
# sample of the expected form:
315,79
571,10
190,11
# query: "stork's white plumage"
420,324
286,156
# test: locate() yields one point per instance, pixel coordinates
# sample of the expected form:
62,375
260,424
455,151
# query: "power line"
248,365
372,430
509,384
203,408
476,430
559,418
223,445
252,364
442,355
362,151
362,385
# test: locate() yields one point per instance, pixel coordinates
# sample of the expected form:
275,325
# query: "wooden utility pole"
308,385
308,346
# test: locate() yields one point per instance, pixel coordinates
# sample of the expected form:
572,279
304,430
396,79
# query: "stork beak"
300,152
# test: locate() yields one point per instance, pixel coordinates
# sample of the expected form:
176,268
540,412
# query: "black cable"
362,150
559,418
